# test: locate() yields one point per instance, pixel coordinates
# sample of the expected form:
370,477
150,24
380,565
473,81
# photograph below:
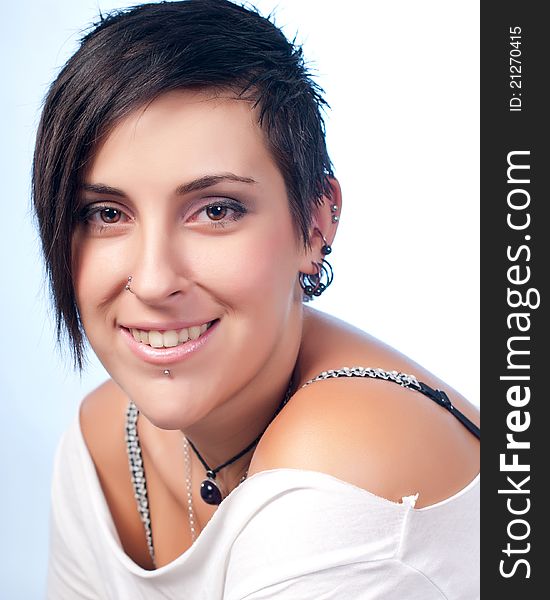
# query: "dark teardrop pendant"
210,492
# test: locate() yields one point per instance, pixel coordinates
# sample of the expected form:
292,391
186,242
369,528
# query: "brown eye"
110,215
216,212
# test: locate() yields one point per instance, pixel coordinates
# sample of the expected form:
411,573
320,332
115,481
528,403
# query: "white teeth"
156,339
168,339
194,332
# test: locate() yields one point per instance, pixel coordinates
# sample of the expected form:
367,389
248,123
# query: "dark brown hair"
129,58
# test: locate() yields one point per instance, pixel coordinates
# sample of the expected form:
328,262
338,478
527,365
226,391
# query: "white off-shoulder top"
283,534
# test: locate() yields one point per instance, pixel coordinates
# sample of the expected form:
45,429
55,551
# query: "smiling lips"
171,338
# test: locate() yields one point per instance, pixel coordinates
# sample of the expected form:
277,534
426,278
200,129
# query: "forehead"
184,134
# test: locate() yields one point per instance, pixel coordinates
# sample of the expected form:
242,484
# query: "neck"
231,427
250,413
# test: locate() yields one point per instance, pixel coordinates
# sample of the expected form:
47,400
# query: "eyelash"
91,210
238,212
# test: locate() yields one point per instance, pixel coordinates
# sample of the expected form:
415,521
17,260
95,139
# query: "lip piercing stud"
127,286
166,372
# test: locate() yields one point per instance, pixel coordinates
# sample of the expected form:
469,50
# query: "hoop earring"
311,283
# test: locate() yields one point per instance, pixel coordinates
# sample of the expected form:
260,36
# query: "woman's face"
198,216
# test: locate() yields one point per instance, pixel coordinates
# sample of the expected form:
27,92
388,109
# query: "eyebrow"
200,183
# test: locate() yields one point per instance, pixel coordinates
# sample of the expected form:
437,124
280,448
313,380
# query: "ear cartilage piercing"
127,286
335,218
325,249
166,372
334,207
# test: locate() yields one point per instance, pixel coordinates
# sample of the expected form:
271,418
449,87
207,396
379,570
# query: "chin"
166,413
168,404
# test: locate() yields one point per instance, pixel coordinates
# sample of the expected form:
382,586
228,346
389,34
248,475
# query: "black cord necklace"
210,491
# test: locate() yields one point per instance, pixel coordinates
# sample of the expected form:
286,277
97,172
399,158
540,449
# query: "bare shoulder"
375,434
102,414
102,421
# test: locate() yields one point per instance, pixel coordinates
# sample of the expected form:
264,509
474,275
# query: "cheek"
259,266
96,275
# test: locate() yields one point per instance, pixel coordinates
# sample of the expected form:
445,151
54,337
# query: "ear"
326,219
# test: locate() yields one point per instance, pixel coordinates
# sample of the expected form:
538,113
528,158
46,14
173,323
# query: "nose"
157,268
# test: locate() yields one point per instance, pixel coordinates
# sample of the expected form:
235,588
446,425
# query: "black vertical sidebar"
515,335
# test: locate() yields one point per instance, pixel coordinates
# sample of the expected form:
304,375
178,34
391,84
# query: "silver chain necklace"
189,487
137,472
136,462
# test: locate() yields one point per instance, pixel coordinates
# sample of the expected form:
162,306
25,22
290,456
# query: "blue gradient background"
403,82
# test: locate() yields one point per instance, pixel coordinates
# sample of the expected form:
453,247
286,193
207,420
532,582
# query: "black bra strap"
408,381
442,399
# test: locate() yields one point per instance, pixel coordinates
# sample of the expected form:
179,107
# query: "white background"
403,82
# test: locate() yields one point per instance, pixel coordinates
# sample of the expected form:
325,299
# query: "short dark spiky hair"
132,56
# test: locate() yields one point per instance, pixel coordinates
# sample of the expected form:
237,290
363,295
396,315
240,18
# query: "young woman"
246,445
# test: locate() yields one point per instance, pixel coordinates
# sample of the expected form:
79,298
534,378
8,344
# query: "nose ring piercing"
127,286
